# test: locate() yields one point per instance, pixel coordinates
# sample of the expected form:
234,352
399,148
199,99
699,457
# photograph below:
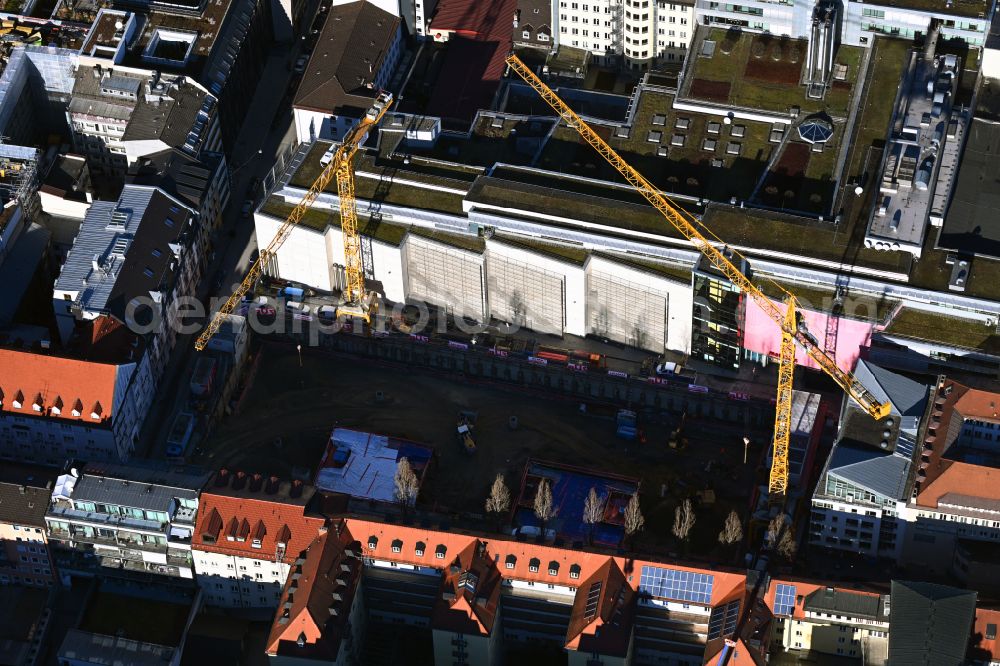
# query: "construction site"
532,285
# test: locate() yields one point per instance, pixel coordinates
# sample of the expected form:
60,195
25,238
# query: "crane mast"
685,224
341,167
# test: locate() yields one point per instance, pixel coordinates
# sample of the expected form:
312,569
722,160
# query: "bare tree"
732,531
407,485
593,511
633,517
780,536
544,510
499,500
683,520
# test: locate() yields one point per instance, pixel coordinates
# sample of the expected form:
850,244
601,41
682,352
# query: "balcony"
185,516
78,536
105,520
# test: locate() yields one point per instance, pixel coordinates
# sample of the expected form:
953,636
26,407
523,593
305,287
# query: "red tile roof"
601,619
466,605
984,649
939,475
959,478
317,598
479,41
470,593
727,585
57,386
236,507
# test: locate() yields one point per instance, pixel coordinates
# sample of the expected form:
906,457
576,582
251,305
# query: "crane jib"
678,218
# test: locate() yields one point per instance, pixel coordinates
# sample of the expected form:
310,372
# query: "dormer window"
372,542
57,406
419,550
440,551
37,404
533,565
397,546
553,568
510,561
574,571
96,412
18,400
77,408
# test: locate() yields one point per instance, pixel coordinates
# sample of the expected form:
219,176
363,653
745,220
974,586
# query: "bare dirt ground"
288,416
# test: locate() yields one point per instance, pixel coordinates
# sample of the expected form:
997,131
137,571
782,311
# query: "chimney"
256,481
222,478
272,485
239,480
296,490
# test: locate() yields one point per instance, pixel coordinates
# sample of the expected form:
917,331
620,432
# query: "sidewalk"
234,241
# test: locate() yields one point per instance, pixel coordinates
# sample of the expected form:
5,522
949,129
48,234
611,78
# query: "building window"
534,565
440,551
397,546
419,551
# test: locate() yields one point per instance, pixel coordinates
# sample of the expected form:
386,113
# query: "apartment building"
118,114
357,53
810,617
953,512
480,597
858,500
633,33
90,405
133,521
132,260
250,531
24,550
201,183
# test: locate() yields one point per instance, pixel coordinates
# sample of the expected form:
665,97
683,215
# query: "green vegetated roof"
466,242
568,253
935,327
967,8
383,189
670,271
386,232
821,299
768,79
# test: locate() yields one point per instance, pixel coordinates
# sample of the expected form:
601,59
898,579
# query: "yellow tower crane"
792,331
341,167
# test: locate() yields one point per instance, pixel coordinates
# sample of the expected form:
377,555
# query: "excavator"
358,303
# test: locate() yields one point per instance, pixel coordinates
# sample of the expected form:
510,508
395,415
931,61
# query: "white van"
328,156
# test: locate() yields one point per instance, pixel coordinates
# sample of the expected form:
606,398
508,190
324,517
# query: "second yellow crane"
792,332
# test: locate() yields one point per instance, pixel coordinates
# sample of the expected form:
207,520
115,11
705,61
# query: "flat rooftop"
953,331
965,8
913,168
363,464
377,182
971,225
763,72
159,622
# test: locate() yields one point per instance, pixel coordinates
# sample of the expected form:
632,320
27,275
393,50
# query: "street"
235,240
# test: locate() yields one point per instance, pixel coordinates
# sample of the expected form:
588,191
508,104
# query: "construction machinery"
793,330
358,303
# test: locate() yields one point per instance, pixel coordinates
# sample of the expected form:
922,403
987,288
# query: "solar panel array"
784,599
593,596
676,584
722,621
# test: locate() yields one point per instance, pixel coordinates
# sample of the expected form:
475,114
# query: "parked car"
247,209
300,64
